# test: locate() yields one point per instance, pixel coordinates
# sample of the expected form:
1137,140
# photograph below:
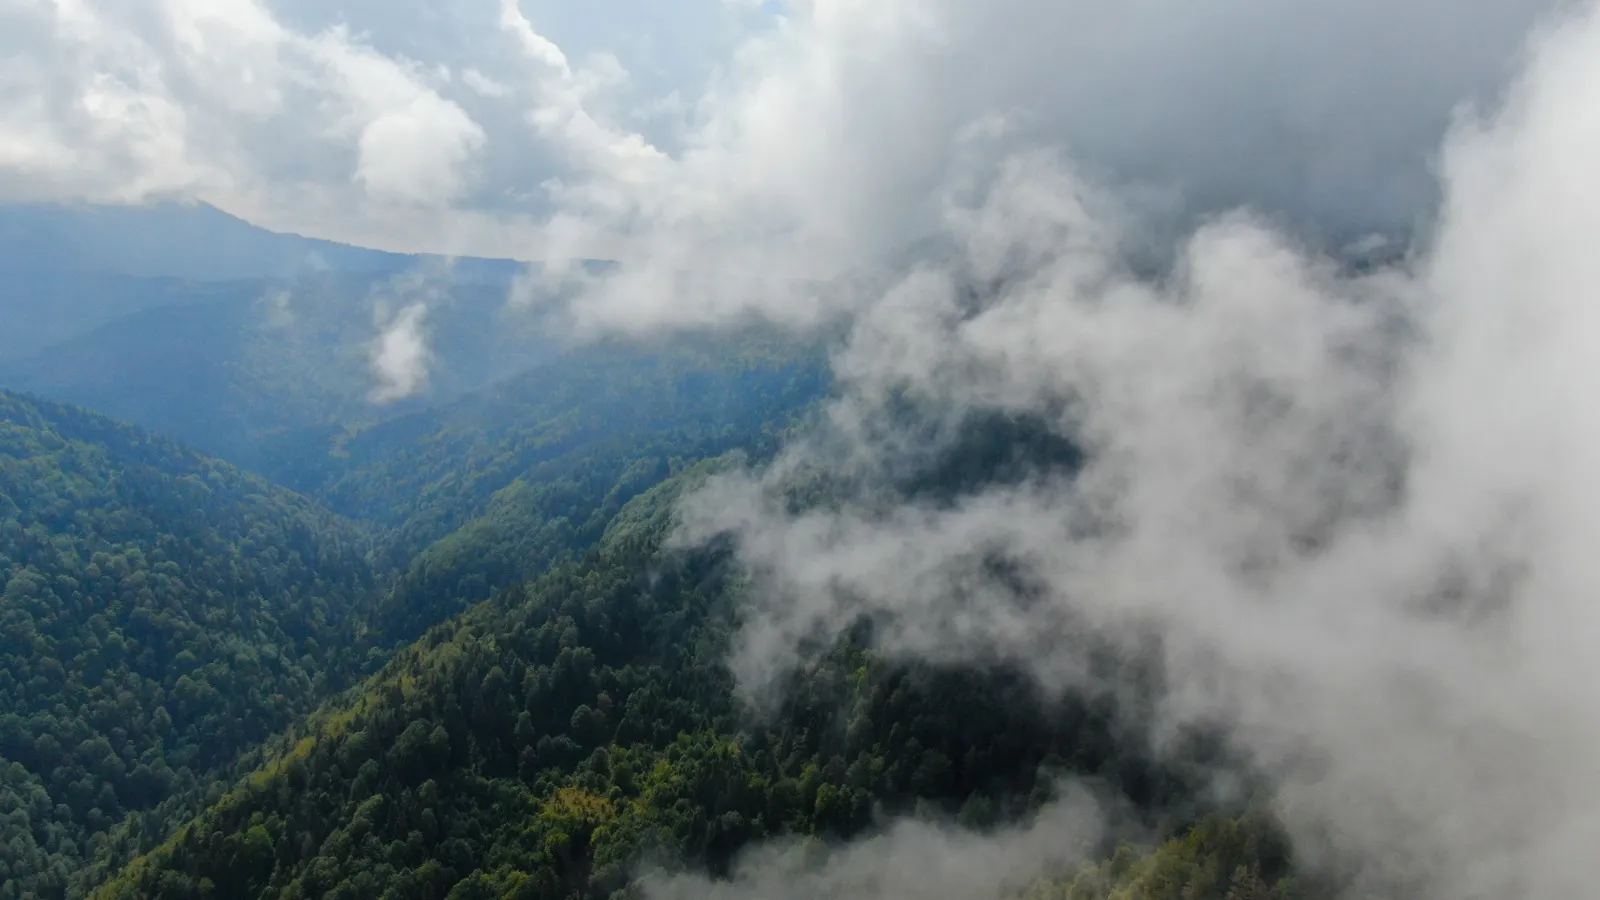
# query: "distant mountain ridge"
196,243
231,368
66,270
197,324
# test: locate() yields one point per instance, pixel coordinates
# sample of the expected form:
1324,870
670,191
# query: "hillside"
555,740
481,493
68,269
42,310
566,726
229,337
427,472
238,368
162,613
574,443
193,242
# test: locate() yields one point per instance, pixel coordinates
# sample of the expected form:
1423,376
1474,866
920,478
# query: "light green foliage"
1219,858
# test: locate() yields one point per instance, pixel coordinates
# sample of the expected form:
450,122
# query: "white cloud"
1356,511
827,140
400,354
912,859
485,85
216,101
279,306
416,155
827,122
561,115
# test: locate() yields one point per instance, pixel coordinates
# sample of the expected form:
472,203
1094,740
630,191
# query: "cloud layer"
180,98
912,859
820,126
1354,509
844,133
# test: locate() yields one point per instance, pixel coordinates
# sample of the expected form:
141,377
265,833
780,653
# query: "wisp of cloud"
400,354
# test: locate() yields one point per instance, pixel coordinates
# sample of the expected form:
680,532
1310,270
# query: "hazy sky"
436,125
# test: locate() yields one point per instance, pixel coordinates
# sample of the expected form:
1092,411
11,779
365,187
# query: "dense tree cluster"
504,485
191,655
161,612
171,612
557,738
422,476
1242,858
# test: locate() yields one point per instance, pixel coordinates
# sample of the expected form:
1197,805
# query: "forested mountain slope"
429,470
557,739
173,621
489,490
44,310
68,269
161,613
570,445
239,369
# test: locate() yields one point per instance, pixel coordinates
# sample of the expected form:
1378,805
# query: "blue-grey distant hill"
194,242
66,269
197,324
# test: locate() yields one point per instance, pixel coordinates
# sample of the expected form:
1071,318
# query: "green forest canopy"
188,648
